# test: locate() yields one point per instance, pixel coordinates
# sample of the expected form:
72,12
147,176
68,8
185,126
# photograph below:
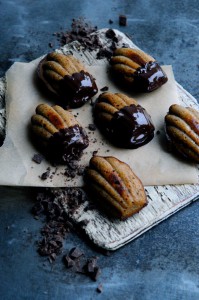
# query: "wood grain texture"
163,201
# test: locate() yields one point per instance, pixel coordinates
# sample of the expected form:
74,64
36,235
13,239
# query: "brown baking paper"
152,162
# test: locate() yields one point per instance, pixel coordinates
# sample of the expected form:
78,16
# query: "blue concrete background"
162,263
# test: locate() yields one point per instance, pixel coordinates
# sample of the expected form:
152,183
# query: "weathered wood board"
163,201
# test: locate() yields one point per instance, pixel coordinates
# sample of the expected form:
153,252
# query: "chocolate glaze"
67,144
74,90
149,77
78,88
131,127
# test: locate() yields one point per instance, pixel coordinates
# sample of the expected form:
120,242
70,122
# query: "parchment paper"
152,162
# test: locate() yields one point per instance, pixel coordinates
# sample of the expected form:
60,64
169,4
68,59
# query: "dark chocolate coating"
131,127
149,77
78,88
67,144
74,90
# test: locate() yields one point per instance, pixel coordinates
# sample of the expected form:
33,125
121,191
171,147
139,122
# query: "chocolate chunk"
37,158
104,89
122,20
100,288
96,273
92,127
91,265
68,261
75,253
110,33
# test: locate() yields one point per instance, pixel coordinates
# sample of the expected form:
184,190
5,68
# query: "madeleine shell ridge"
115,187
182,129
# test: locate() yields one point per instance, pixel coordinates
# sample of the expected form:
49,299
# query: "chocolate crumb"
110,21
50,45
100,288
92,127
45,175
37,158
104,89
104,53
95,153
122,20
158,132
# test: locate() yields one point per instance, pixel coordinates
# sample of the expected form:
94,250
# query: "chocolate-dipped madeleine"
182,129
125,123
137,70
67,77
115,187
57,130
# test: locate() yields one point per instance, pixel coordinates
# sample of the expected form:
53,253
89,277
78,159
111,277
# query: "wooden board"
163,200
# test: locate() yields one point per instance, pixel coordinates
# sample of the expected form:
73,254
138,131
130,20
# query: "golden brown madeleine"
59,132
182,129
115,186
67,77
125,123
137,70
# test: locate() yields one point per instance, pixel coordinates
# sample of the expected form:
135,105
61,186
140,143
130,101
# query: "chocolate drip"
67,144
149,77
78,88
131,127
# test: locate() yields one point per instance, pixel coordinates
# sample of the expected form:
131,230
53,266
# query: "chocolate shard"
100,288
122,20
96,273
104,89
69,262
37,158
75,253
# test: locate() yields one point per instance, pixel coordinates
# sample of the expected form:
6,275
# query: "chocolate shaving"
50,204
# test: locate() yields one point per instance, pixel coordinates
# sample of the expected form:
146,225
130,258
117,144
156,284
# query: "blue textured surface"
162,263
